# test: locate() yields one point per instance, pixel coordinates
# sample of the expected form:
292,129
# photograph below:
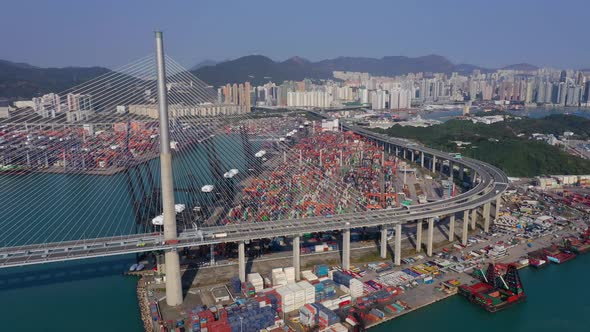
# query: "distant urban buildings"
236,94
544,86
540,87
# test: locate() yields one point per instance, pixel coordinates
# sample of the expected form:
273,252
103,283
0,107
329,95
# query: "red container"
219,326
344,303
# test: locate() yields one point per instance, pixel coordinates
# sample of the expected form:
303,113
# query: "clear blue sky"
114,32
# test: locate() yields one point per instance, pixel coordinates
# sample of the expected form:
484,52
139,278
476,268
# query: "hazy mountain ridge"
24,81
255,68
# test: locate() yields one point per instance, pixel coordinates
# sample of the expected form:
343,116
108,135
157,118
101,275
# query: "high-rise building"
587,92
47,105
78,102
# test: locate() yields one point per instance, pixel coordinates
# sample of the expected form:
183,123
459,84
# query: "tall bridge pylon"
173,282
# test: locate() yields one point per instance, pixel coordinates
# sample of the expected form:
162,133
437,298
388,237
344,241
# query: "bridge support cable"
92,169
31,231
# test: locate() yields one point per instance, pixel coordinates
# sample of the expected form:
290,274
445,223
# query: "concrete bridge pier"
419,235
433,164
296,257
451,227
346,249
497,208
212,254
422,159
383,244
242,260
451,171
461,173
412,155
486,217
473,218
465,229
430,236
398,245
404,152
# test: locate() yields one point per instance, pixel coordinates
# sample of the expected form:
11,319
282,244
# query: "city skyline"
464,32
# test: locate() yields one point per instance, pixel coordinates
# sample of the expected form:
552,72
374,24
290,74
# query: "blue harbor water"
88,295
557,301
93,296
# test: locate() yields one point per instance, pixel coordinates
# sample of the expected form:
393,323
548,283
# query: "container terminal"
373,291
361,177
362,297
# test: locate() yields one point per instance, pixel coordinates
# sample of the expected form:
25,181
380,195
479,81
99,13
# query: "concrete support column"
433,164
461,173
404,152
346,249
497,212
422,159
383,247
296,257
451,173
430,236
242,261
442,166
397,151
465,229
452,227
398,245
486,216
412,155
212,254
419,236
473,218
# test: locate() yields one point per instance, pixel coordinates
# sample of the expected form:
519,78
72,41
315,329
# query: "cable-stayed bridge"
146,158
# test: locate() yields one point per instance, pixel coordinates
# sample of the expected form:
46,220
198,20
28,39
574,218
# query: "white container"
308,275
290,274
308,290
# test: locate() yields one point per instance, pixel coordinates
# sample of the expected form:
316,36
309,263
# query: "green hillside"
498,143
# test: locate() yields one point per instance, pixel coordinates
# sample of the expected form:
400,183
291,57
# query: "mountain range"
23,81
259,69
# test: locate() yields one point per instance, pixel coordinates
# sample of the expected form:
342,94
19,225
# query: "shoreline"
407,311
144,305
